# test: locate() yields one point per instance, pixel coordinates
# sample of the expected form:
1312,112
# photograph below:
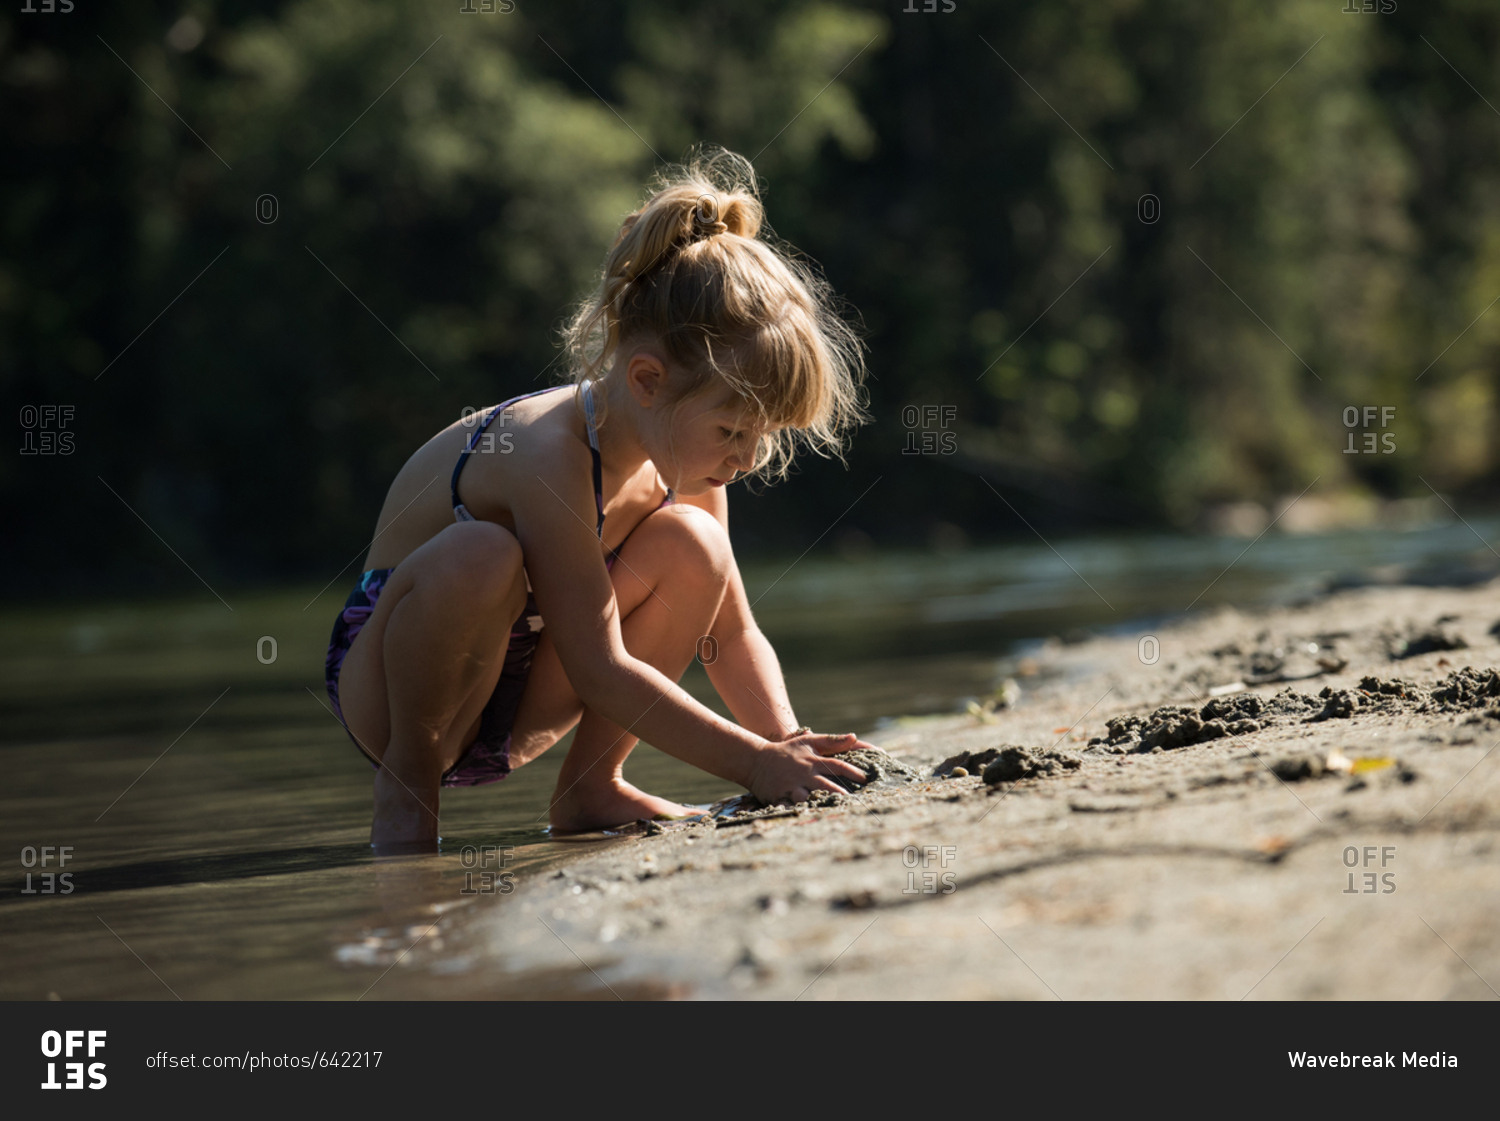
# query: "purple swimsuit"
487,759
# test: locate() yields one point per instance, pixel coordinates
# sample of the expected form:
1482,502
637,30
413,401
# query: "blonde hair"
691,272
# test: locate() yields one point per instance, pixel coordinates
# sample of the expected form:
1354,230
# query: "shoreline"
1176,827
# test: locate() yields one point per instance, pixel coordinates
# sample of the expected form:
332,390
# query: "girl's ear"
646,378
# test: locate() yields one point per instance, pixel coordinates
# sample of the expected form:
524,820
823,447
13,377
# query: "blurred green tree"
1148,251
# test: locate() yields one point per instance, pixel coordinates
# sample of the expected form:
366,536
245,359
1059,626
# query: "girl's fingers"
822,782
832,787
836,745
848,770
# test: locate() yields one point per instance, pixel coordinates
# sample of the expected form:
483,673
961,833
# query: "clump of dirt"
1460,691
879,768
970,762
1341,705
1465,689
1425,640
1168,726
1374,694
1254,707
1012,763
1173,726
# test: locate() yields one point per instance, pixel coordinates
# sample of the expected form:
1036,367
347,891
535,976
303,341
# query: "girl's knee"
481,560
689,539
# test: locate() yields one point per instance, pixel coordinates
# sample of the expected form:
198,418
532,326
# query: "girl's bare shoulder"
538,437
533,435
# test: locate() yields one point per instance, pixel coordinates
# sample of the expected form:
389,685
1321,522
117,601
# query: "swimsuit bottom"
485,760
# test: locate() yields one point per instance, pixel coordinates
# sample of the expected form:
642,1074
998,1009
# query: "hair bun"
706,221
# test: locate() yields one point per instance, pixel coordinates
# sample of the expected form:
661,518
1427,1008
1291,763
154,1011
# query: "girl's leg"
669,581
417,677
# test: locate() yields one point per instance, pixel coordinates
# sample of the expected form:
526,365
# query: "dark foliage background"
446,182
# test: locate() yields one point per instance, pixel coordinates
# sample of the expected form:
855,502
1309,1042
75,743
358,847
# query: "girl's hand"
790,770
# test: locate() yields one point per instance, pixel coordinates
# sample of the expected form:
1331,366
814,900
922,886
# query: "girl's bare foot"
587,806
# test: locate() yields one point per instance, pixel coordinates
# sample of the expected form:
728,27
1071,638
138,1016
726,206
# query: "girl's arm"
552,505
743,666
747,675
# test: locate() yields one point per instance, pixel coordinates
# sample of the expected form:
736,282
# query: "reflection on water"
214,815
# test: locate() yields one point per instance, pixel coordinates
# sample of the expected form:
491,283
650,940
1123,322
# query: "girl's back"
542,434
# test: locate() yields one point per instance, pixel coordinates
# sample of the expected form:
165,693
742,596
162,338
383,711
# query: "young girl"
600,506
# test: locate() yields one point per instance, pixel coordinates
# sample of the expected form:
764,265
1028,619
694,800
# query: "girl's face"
711,438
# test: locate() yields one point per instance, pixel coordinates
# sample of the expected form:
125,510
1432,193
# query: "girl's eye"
728,434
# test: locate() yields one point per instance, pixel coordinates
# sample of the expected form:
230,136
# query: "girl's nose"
742,463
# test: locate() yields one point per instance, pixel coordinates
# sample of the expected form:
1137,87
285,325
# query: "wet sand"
1328,829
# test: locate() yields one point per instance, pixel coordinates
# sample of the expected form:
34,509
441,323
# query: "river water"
182,816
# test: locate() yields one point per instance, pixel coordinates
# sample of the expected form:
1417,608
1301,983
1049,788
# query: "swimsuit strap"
460,512
588,412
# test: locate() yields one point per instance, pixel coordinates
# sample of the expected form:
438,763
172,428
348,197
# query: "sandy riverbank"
1331,829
